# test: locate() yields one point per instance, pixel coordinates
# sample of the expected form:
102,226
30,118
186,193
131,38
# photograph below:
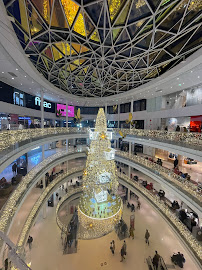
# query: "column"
106,111
43,149
66,114
118,115
130,147
128,196
129,171
67,145
42,110
131,109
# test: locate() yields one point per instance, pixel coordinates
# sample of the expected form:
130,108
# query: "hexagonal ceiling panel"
105,47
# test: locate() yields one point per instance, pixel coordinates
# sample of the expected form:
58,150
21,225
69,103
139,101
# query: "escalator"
149,263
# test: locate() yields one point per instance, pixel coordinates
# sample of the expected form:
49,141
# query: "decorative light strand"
186,186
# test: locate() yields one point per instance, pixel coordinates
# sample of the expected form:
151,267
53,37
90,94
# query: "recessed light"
179,84
32,82
21,83
198,77
171,87
191,71
177,78
183,83
16,69
2,72
29,88
25,76
12,78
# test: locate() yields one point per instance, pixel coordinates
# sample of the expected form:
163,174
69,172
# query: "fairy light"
186,186
12,204
182,230
37,206
100,208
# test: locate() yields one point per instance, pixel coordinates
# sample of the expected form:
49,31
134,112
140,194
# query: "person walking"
14,169
175,163
147,235
138,205
112,247
29,241
124,246
156,260
122,254
131,232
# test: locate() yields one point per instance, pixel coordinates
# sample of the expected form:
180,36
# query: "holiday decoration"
99,208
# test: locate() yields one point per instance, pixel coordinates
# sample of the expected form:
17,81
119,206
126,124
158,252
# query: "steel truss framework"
105,47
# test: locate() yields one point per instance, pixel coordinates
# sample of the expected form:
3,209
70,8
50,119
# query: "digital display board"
62,109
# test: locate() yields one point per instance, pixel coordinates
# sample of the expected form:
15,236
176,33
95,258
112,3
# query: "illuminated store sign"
101,197
62,109
45,103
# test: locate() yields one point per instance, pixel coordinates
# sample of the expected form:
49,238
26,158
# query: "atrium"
100,134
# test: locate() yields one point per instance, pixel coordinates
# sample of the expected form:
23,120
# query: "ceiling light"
12,78
29,88
179,84
171,87
191,71
177,78
25,76
2,72
198,77
32,82
21,84
16,69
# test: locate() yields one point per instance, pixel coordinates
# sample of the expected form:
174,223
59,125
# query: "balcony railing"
168,215
187,138
43,197
10,138
187,187
10,208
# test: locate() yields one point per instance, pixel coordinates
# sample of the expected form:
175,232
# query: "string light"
10,208
187,187
181,229
37,206
99,208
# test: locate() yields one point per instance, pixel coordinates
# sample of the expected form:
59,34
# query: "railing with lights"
188,139
169,216
39,203
187,187
11,207
63,227
9,138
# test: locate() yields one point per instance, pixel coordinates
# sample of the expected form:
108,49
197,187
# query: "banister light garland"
185,185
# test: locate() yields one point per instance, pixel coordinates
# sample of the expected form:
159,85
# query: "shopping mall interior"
100,134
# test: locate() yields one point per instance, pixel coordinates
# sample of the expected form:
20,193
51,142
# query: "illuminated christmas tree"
100,208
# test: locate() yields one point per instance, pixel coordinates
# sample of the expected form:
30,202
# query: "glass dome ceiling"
101,48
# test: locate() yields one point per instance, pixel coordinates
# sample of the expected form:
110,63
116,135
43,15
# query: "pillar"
131,109
106,111
42,110
66,114
129,171
130,147
128,196
67,145
118,115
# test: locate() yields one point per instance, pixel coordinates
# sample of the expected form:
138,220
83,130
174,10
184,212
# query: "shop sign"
45,103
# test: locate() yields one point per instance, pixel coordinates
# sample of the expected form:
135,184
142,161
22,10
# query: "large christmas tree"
100,208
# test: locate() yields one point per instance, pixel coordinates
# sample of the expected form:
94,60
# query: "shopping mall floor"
46,252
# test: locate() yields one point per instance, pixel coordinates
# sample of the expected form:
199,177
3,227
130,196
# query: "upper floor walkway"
14,143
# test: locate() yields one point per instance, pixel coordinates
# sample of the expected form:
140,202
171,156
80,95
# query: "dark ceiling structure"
102,48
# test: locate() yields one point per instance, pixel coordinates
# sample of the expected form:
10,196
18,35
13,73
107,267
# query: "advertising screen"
62,109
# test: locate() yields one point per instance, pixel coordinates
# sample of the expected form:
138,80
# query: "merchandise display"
100,208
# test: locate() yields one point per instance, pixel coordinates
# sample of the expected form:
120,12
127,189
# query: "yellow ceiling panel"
79,25
70,9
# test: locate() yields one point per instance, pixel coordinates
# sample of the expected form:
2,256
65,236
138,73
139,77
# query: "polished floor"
46,252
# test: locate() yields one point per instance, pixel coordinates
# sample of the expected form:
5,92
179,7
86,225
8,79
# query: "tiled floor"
46,252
